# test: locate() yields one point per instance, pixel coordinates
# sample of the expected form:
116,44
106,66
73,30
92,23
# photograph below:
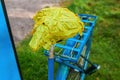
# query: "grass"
105,48
33,64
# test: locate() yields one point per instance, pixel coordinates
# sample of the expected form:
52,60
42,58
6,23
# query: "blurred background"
21,12
106,37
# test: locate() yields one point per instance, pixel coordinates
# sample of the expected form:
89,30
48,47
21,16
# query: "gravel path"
20,13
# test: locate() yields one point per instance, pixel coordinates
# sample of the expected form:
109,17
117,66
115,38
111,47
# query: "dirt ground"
20,13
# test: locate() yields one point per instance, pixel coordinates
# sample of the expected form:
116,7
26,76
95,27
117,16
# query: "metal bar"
84,41
62,72
63,69
86,21
51,64
86,27
85,66
75,40
86,61
72,66
66,47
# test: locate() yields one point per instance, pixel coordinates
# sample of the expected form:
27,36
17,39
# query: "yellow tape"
54,24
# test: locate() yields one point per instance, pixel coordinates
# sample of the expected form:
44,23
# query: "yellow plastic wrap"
54,24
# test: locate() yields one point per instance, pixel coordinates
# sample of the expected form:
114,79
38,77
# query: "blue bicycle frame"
67,59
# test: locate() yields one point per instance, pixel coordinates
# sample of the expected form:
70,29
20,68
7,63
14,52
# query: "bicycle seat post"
51,64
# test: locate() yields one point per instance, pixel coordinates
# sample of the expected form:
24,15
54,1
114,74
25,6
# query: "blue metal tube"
85,66
51,64
87,55
63,69
50,68
62,72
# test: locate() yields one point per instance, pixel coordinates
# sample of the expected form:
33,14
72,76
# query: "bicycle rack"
70,53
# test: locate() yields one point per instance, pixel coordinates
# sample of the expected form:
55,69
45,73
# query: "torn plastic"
52,25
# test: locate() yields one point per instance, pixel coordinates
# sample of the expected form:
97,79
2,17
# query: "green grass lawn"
105,47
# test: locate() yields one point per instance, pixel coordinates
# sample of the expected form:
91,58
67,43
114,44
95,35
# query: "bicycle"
72,55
